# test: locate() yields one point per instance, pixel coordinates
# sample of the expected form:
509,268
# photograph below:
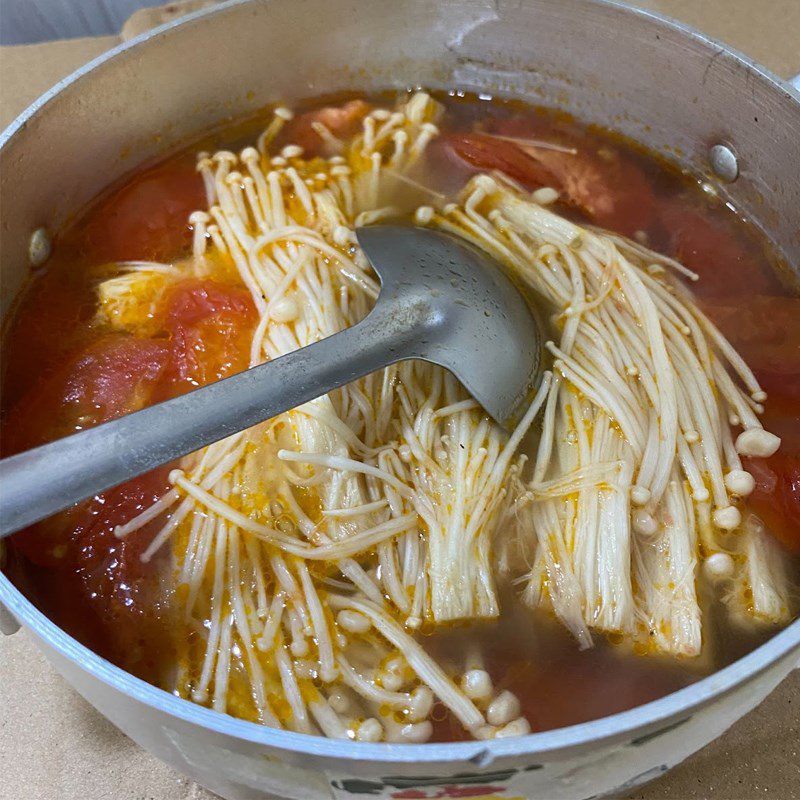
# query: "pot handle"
795,82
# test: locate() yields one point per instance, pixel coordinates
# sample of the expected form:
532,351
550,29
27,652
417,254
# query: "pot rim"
683,702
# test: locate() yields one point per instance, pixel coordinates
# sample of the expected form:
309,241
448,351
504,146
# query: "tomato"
207,328
711,248
114,375
81,538
776,498
782,417
117,375
210,327
111,568
147,219
342,121
110,583
487,153
609,188
103,584
766,333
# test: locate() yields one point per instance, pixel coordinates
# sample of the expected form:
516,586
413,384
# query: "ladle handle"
47,479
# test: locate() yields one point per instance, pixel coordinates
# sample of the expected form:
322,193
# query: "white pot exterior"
633,72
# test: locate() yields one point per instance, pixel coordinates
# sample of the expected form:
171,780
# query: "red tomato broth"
63,370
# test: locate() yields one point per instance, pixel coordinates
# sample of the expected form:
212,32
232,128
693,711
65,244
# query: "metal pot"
658,82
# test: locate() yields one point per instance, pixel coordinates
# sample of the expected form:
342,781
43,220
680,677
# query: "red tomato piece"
112,584
117,375
712,249
603,184
487,153
776,498
342,121
611,190
147,219
111,568
211,326
782,417
114,376
765,330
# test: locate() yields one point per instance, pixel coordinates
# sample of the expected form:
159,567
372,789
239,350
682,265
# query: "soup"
384,563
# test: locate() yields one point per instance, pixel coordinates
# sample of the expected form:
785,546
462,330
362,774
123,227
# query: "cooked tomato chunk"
210,327
709,247
342,121
605,185
147,219
776,498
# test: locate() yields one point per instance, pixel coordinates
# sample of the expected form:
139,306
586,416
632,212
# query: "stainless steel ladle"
441,301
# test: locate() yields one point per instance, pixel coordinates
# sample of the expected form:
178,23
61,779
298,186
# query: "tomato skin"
210,327
711,249
606,186
112,594
487,153
613,192
343,121
766,333
114,375
111,568
147,219
776,498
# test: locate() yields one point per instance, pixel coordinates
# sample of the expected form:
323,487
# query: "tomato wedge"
487,153
210,326
606,186
776,498
342,121
147,219
115,375
112,376
713,249
207,328
104,581
766,333
111,568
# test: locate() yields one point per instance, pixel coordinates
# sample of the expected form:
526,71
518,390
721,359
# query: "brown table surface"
53,745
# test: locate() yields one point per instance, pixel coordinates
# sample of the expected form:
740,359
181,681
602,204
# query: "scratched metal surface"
63,748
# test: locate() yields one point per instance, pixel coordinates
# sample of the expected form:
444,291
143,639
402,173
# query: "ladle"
441,300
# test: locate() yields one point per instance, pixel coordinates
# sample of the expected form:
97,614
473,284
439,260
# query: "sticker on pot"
484,786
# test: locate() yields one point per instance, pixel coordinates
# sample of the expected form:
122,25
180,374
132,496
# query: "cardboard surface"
54,745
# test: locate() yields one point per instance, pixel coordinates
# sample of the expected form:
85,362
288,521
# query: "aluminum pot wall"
673,90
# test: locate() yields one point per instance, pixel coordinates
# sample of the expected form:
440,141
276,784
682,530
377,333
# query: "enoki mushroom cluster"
310,550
